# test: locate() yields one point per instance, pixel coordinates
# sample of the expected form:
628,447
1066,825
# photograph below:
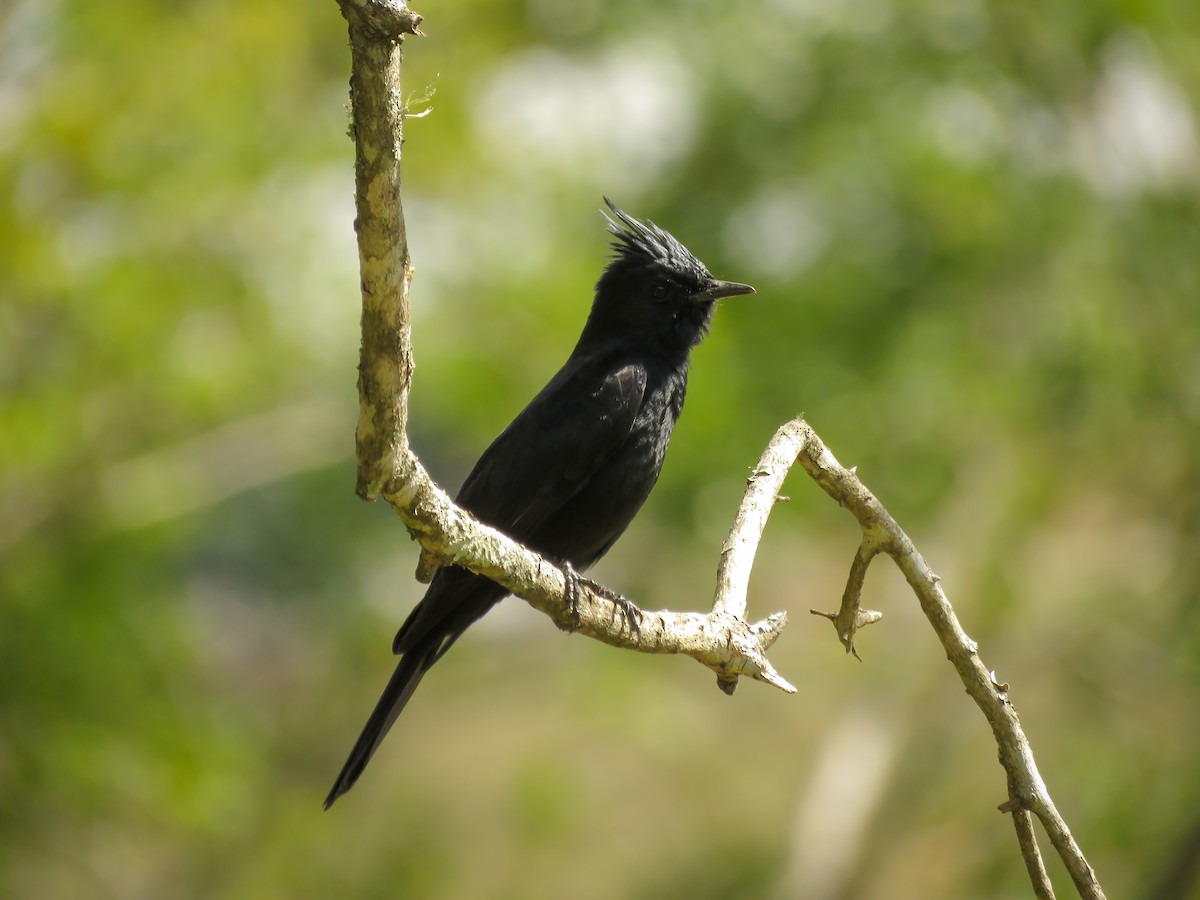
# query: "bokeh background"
973,226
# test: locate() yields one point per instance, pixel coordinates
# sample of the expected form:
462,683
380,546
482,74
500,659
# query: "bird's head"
655,287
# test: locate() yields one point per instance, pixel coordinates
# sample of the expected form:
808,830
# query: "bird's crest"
646,242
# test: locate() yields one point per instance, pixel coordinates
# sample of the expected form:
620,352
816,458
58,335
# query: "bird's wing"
551,449
536,465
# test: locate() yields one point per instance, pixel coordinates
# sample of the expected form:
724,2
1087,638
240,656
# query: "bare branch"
386,19
850,616
1027,841
377,126
762,491
1027,791
725,643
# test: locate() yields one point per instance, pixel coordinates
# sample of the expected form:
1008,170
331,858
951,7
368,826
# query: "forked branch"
721,639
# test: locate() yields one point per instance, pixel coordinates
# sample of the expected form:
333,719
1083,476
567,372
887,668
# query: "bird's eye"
660,291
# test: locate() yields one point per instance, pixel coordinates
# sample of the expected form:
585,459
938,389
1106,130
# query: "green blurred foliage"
973,227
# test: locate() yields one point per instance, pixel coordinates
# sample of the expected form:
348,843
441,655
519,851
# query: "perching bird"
571,471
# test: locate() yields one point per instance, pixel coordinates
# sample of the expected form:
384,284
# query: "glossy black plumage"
569,473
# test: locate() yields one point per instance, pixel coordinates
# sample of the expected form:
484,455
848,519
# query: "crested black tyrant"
570,472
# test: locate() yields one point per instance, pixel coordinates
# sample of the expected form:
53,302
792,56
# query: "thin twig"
850,615
1027,841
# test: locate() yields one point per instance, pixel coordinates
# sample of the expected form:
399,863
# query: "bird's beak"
718,289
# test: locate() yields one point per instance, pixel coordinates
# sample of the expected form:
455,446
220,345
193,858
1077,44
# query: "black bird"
571,471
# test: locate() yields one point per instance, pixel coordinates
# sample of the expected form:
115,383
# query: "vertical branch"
762,492
377,32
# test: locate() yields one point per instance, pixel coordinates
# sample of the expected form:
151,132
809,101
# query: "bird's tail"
455,599
413,666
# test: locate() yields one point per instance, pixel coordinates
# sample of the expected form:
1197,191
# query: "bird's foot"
571,596
629,611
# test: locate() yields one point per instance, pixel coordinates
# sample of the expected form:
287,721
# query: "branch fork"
721,639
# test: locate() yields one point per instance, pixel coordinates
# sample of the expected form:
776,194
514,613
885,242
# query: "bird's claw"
632,615
628,609
571,597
